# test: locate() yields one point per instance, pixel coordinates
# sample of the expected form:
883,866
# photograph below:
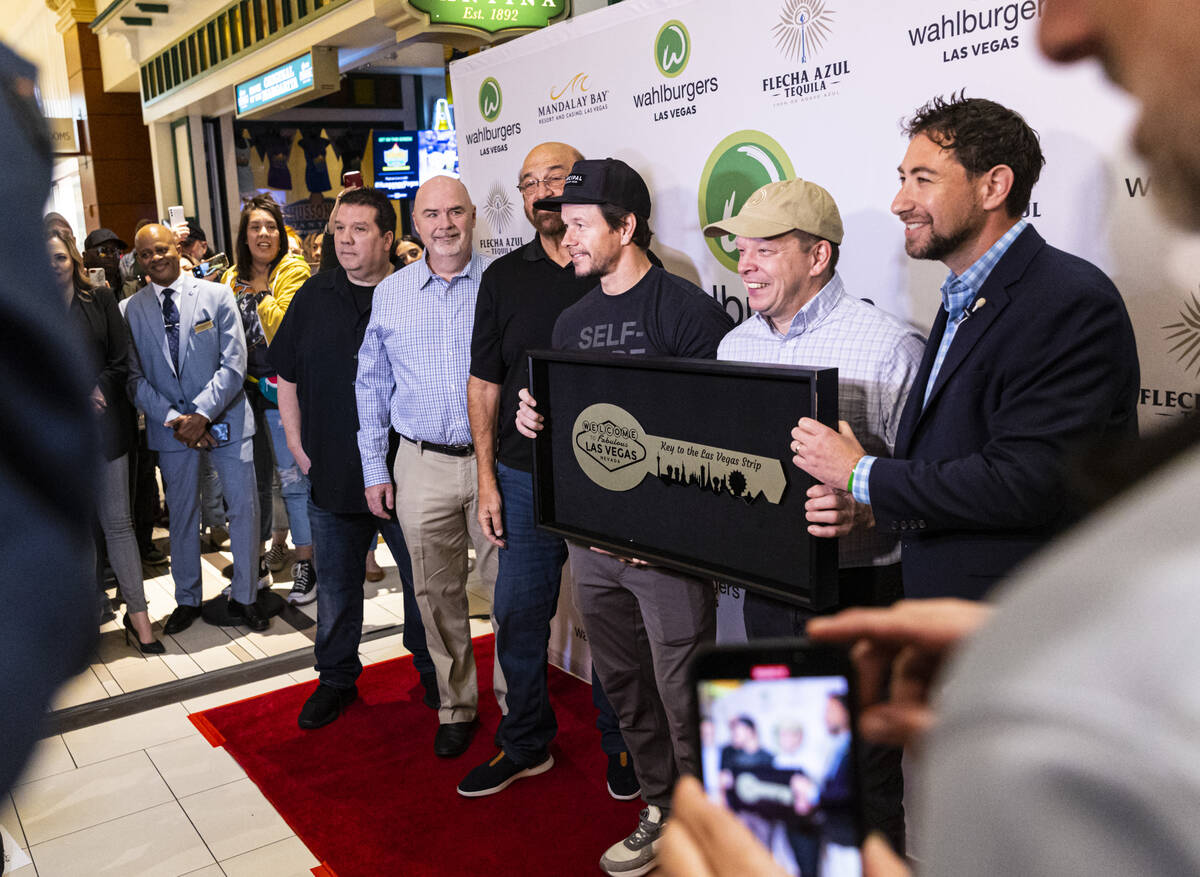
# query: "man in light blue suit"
186,374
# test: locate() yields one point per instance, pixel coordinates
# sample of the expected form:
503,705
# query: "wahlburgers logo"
490,99
672,48
739,165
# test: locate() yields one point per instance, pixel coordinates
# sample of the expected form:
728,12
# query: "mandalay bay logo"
672,48
490,99
740,164
803,26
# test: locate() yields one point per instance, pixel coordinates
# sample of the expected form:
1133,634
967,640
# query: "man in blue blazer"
1031,358
186,374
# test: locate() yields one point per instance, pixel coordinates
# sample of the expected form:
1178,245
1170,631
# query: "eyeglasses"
552,182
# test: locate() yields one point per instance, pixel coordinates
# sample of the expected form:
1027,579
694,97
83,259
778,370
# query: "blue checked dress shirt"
958,293
414,362
877,358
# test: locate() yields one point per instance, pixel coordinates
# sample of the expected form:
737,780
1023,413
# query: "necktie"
171,322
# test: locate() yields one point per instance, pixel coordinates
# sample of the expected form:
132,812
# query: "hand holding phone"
777,748
175,216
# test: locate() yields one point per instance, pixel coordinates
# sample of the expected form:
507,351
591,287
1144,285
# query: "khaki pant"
436,506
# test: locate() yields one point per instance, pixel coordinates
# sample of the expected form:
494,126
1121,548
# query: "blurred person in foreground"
1062,739
94,313
48,441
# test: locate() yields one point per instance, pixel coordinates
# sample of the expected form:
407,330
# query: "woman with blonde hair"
264,278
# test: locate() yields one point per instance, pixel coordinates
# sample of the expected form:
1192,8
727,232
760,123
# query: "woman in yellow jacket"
264,279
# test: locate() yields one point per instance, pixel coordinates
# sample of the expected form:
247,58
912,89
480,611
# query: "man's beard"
940,246
548,223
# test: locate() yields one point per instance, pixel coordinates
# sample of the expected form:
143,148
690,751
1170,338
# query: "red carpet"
369,798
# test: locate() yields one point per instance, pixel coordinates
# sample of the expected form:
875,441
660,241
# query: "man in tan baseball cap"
798,221
788,236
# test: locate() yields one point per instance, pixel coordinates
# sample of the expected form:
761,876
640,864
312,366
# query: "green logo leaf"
490,99
740,164
672,48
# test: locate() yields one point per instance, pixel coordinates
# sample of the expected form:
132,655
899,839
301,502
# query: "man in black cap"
102,249
643,623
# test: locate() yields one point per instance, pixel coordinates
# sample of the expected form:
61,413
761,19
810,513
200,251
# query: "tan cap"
778,208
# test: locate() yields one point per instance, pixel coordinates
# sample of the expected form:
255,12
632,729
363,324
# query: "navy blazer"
1046,365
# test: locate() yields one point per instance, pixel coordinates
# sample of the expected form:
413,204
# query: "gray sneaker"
304,583
637,854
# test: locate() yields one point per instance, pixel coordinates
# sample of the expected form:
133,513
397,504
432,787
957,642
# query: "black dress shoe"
181,619
453,738
326,704
154,557
250,614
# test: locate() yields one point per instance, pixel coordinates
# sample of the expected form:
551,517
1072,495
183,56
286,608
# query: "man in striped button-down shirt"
412,376
788,237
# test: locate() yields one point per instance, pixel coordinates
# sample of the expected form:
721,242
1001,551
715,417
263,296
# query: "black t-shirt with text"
660,315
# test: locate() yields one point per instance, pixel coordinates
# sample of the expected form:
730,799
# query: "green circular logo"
672,48
490,99
740,164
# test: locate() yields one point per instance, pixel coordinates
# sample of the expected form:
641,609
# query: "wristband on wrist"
850,483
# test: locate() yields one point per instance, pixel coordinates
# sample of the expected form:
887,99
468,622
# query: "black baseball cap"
602,181
103,236
195,232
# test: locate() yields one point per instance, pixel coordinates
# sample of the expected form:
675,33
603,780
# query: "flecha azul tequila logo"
615,452
742,163
578,97
1185,337
672,51
803,26
499,211
491,102
803,29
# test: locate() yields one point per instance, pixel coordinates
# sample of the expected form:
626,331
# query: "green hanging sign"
493,15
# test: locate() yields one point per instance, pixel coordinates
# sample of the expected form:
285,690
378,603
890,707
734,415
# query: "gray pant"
117,524
234,463
643,626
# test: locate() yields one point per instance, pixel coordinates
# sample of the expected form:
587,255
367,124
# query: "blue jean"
340,552
293,483
524,602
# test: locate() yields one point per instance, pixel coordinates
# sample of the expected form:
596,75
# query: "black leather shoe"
432,699
325,704
181,619
250,614
453,738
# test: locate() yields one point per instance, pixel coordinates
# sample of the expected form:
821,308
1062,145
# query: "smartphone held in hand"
776,723
175,216
212,265
352,180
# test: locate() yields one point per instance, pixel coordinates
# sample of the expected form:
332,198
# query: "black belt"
448,450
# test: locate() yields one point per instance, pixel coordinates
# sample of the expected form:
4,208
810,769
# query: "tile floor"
117,668
147,795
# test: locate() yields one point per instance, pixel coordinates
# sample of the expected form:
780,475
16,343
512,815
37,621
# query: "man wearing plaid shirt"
412,376
788,236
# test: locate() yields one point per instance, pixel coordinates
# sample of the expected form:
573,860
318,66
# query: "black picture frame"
682,516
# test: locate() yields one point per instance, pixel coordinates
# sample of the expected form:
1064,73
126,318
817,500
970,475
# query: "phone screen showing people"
776,751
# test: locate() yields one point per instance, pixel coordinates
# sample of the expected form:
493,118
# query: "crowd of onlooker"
266,266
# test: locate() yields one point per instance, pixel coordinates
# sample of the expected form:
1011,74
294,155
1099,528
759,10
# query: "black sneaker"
622,781
304,583
498,774
325,704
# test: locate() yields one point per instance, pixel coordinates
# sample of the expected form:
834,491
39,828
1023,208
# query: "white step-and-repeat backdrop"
709,99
